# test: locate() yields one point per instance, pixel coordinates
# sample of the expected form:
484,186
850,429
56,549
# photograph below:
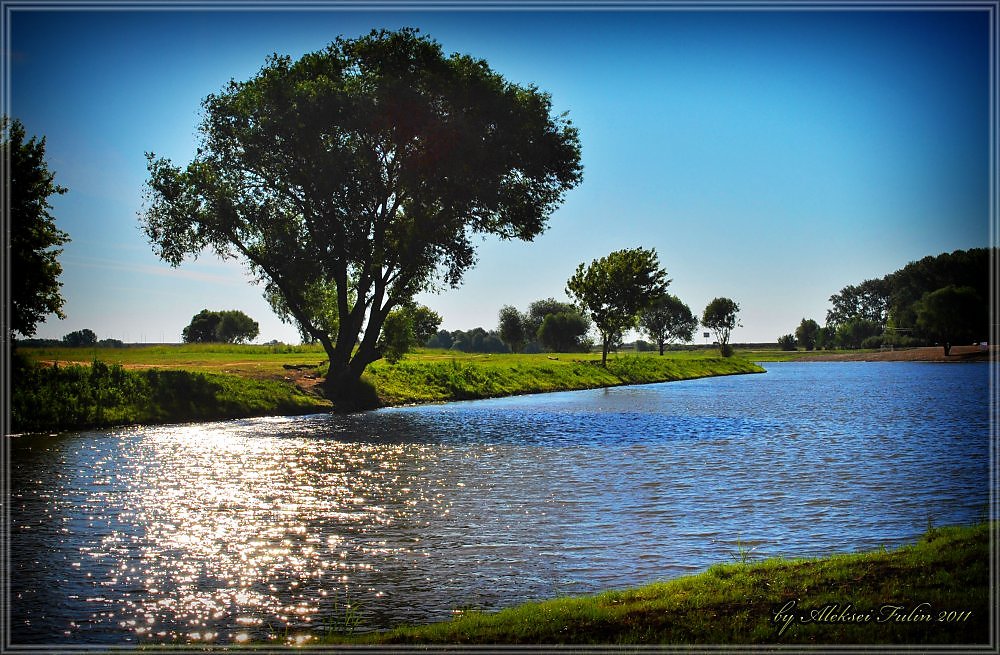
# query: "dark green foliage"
854,332
953,315
615,288
34,238
47,398
405,328
891,304
962,268
80,338
442,339
231,326
538,310
563,332
477,340
397,336
511,328
787,342
720,317
868,301
826,337
668,319
424,321
806,333
357,176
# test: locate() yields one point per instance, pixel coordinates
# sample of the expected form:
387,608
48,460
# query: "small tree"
825,338
787,342
668,319
720,317
538,310
405,328
80,338
806,332
34,238
563,332
615,288
511,328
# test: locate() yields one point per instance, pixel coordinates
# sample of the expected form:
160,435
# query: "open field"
934,592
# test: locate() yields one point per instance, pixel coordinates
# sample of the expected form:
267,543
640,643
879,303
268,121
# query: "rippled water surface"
286,527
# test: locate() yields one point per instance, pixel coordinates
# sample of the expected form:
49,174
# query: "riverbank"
921,354
62,389
936,591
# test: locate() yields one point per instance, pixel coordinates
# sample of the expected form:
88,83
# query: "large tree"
615,288
34,238
720,316
869,300
668,319
356,176
953,315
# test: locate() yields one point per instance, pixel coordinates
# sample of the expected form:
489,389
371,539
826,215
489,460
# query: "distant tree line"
940,300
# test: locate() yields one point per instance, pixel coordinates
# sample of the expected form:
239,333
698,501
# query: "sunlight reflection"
255,534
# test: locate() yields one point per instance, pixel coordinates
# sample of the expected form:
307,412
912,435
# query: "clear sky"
770,156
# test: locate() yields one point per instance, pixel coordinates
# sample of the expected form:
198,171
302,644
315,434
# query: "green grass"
742,603
441,376
48,398
157,384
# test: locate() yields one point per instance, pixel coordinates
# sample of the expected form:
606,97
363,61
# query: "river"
286,527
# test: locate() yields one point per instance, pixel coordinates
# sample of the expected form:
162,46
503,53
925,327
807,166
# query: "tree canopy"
231,326
34,238
615,288
564,332
885,310
80,338
357,176
806,333
953,315
510,327
720,316
668,319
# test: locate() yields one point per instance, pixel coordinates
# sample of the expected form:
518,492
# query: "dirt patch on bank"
934,354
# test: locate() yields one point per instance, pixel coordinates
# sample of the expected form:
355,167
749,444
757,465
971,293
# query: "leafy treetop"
34,238
355,177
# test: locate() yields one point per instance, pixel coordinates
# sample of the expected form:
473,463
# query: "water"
288,527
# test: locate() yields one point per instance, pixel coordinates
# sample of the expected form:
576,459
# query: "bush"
787,342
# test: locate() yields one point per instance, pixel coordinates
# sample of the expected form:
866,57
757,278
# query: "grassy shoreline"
168,384
936,591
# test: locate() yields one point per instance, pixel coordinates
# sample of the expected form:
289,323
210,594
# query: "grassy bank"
934,592
74,396
435,377
160,384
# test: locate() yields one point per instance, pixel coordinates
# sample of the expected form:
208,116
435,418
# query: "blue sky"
769,156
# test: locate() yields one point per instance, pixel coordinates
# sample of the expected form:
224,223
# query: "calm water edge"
293,526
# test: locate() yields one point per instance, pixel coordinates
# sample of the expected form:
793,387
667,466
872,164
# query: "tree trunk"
661,349
604,351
